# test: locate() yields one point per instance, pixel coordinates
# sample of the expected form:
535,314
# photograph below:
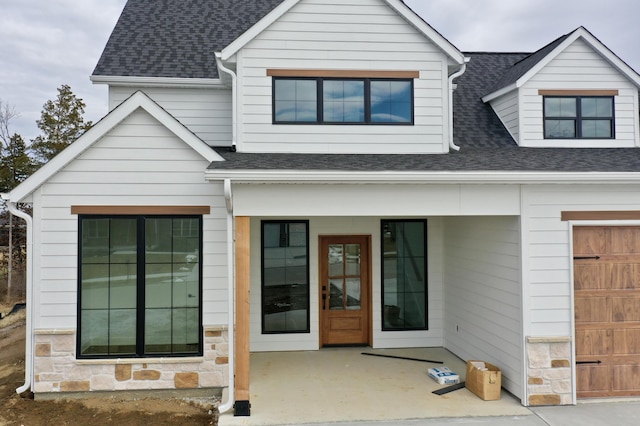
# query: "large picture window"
342,101
285,277
578,117
404,272
140,286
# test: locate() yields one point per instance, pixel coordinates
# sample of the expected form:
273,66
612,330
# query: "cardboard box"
444,376
484,379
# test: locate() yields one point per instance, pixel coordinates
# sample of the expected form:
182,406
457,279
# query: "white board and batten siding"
138,163
348,35
579,67
206,112
483,295
548,247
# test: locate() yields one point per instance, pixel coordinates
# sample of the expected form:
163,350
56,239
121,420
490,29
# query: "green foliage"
61,123
15,163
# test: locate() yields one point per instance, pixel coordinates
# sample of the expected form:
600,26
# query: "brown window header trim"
578,92
603,215
136,210
342,73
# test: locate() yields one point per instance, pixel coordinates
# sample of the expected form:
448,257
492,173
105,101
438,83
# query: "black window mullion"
141,280
320,99
367,101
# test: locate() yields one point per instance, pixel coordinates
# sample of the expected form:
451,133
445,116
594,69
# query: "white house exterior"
490,204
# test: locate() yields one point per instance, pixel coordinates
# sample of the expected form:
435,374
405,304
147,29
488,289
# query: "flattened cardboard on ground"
486,384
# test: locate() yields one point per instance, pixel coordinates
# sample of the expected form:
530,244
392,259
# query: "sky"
47,43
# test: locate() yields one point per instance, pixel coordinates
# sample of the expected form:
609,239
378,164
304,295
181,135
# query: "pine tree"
61,123
15,163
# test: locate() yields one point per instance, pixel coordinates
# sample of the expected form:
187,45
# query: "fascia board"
498,93
257,28
157,81
100,129
403,177
428,31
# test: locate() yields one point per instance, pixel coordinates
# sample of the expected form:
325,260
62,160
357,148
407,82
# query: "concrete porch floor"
341,384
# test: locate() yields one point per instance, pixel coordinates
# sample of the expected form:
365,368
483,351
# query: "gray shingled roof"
176,38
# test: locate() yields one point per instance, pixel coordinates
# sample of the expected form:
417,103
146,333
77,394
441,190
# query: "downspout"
453,76
234,87
228,198
28,365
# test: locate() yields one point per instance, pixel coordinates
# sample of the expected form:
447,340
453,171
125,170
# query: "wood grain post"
242,257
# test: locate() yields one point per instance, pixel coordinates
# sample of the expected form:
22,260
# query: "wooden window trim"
600,215
578,92
342,73
142,210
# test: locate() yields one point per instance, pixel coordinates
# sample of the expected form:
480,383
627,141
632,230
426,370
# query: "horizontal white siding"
139,163
483,293
506,108
579,67
349,226
206,112
549,248
353,34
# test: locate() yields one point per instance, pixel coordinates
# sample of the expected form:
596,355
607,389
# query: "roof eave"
413,177
131,81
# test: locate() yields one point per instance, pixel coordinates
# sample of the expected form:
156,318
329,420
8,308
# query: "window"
342,101
404,272
285,277
140,286
578,117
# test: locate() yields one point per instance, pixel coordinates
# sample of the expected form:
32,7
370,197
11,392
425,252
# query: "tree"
61,123
15,163
7,113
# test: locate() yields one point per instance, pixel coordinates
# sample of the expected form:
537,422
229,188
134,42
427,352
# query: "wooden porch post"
242,235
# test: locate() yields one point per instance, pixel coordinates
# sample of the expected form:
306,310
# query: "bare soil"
24,410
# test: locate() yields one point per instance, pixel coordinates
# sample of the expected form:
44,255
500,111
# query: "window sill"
127,361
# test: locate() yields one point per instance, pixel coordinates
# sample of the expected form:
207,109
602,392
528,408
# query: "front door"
345,289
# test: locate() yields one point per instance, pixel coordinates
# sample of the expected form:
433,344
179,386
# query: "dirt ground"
24,410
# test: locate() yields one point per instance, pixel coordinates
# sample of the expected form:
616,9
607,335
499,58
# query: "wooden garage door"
607,310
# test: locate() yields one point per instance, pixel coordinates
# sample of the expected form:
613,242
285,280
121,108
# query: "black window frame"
384,305
577,120
263,301
140,288
320,102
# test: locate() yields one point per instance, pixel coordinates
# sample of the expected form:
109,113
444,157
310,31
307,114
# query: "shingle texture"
176,38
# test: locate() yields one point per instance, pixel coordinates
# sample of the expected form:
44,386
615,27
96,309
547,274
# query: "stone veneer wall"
56,368
549,371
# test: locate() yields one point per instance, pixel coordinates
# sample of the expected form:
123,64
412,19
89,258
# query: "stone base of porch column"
549,371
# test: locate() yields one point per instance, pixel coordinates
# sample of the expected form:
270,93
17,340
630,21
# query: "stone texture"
560,350
539,356
43,365
43,349
222,360
64,343
211,380
79,372
561,386
75,386
102,383
544,400
557,374
123,372
146,375
186,380
213,333
536,381
560,363
43,387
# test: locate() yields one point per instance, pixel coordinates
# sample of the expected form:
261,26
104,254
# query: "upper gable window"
325,100
579,117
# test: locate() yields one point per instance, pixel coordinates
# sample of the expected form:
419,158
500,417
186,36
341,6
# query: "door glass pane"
352,260
336,260
336,294
353,294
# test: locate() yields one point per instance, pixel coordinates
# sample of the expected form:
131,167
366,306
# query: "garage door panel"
625,378
625,239
591,343
625,309
592,309
589,276
626,342
593,378
590,241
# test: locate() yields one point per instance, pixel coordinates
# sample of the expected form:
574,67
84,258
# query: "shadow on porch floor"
341,384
